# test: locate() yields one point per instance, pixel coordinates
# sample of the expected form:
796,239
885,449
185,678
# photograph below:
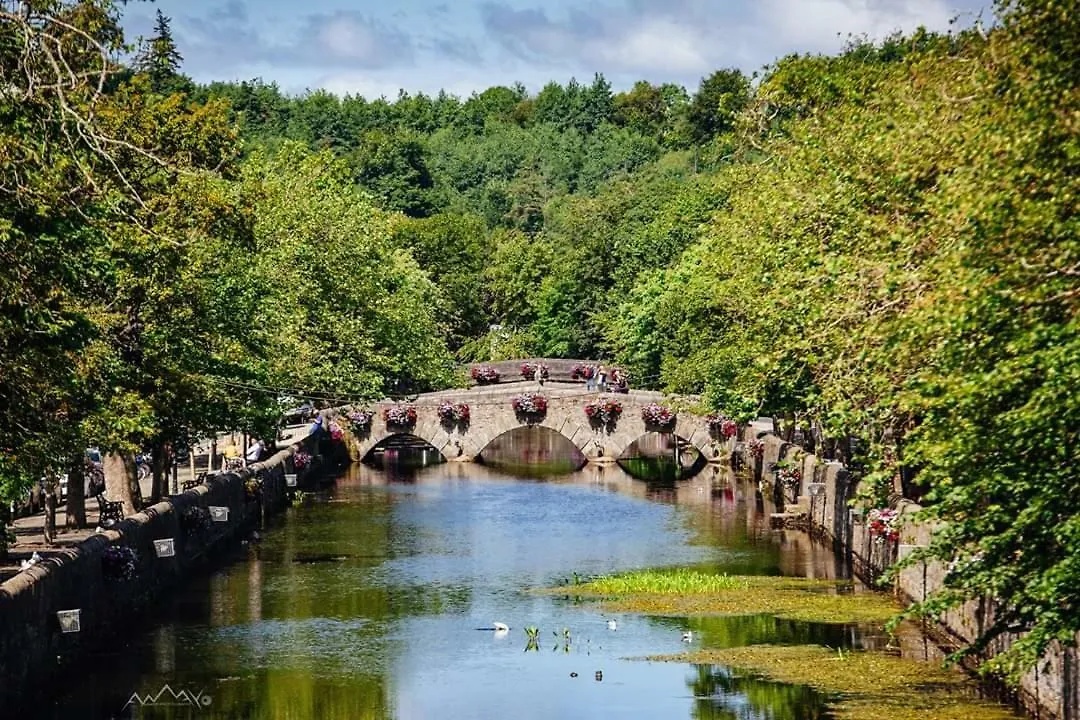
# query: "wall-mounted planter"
165,547
70,620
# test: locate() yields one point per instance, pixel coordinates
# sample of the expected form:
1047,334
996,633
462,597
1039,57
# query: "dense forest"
882,244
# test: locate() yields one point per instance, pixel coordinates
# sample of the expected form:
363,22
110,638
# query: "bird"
687,636
612,625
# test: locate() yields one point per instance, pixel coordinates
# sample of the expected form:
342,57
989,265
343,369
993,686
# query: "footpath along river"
365,602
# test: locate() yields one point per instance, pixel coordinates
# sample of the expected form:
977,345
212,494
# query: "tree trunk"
76,499
212,456
159,463
122,481
50,511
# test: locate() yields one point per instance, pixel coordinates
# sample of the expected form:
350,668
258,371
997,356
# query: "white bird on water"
612,625
501,627
687,636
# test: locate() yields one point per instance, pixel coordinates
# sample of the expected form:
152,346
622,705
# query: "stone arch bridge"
492,415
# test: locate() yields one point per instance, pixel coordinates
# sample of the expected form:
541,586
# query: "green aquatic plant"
532,634
679,580
863,685
693,592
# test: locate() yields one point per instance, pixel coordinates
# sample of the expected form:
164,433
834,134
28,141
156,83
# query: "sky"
374,48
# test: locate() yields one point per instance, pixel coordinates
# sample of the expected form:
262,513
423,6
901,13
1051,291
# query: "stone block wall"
34,650
1051,691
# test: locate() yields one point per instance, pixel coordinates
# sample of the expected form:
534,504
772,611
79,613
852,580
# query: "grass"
863,685
693,592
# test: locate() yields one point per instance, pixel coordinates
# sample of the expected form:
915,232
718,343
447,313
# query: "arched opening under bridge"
665,457
403,451
534,451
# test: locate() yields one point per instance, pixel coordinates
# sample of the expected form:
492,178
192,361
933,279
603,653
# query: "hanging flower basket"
301,459
528,370
253,488
336,432
721,426
119,562
530,404
360,419
756,448
485,375
454,413
582,372
402,416
605,412
883,525
788,476
659,417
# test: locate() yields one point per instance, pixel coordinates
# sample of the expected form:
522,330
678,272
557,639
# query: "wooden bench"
109,512
192,484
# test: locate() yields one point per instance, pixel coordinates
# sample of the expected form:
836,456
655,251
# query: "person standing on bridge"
538,374
601,378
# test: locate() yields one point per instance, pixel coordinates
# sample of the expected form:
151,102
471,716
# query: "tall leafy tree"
719,99
159,57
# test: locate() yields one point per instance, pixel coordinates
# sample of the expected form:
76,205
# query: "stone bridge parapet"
492,415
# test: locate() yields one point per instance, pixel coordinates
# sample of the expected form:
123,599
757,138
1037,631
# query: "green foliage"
349,313
159,57
718,101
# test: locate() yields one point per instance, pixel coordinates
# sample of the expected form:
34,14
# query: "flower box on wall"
485,375
604,412
659,418
530,406
400,416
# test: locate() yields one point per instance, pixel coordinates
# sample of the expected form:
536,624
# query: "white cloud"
655,45
822,25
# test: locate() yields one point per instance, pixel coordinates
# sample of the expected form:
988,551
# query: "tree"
159,57
642,109
393,167
351,316
719,99
453,250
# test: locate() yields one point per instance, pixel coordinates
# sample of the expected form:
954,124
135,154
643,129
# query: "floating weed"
863,685
663,582
694,592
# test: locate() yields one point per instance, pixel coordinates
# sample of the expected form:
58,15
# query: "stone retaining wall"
1051,691
33,649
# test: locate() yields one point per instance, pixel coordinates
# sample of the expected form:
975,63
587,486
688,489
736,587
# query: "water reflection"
366,603
724,694
662,457
532,451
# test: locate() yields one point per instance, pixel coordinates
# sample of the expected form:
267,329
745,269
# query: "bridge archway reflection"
403,451
532,450
662,457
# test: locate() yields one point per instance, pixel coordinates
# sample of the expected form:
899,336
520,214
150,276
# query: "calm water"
366,603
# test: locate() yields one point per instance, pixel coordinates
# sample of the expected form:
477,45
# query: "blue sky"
375,48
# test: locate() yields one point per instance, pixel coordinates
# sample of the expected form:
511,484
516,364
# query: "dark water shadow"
721,693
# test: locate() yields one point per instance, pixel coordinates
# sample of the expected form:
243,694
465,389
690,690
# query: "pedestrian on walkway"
254,453
601,378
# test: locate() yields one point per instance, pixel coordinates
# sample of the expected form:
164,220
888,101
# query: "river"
366,601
